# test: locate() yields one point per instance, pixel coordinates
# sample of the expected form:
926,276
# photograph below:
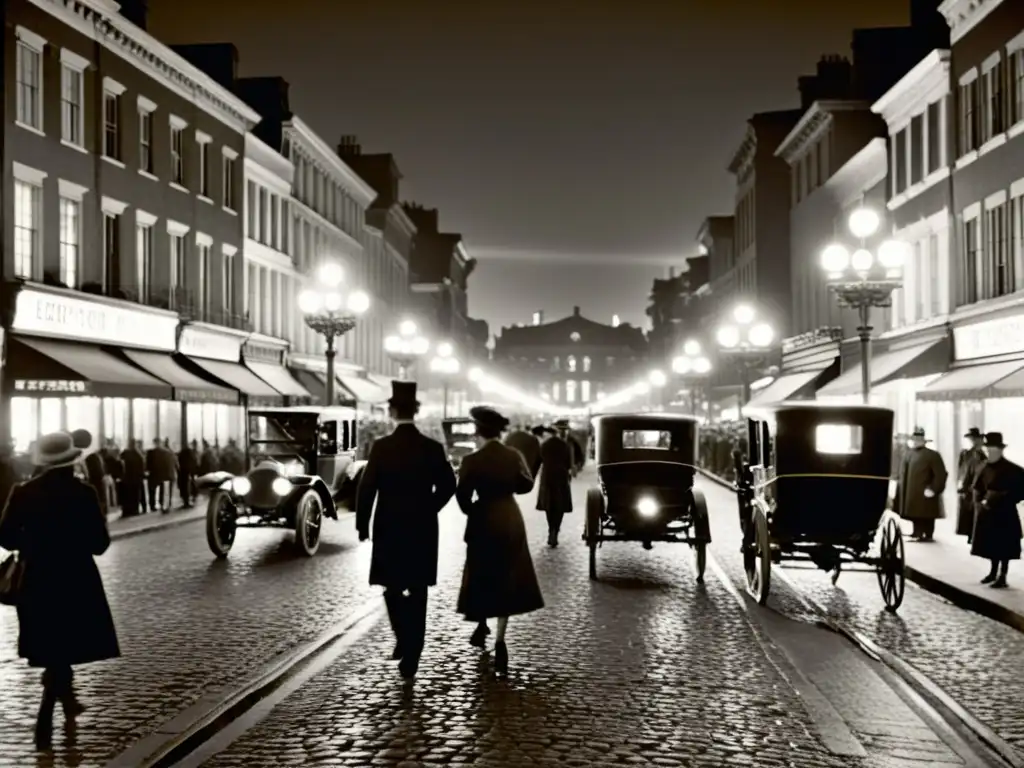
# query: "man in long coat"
968,465
919,487
409,476
133,494
998,488
554,496
528,444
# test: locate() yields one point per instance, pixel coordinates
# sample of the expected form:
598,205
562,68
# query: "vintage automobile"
302,469
459,439
814,487
645,467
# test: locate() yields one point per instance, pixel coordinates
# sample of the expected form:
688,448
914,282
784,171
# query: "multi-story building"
573,361
715,240
124,256
674,309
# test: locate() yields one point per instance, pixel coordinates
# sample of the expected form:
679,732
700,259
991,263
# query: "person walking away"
409,476
55,523
498,580
233,459
95,470
133,497
188,463
528,444
166,471
152,485
969,463
208,461
998,488
919,486
554,495
115,472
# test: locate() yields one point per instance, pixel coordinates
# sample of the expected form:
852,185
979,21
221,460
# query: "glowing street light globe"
475,374
682,365
862,259
445,349
835,258
310,302
729,336
330,275
332,301
743,314
864,222
419,346
658,379
892,254
358,302
701,366
407,328
692,348
761,335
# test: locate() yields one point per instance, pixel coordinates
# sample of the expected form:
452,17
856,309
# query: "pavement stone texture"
977,661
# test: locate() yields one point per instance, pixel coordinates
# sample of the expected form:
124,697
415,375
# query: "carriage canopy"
667,438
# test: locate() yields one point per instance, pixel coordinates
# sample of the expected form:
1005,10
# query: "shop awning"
973,382
384,382
277,376
910,362
365,391
237,376
1011,386
39,367
187,386
783,388
316,383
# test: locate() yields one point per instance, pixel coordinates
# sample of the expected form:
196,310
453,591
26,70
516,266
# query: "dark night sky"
576,145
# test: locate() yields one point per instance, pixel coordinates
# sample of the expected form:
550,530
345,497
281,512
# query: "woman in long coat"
969,464
554,494
55,523
499,580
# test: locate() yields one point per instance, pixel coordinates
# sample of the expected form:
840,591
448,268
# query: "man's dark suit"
529,446
409,476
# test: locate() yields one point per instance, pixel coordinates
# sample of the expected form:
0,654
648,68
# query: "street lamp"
331,312
747,340
692,363
406,347
862,279
445,365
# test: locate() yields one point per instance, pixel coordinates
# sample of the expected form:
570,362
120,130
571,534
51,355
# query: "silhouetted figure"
95,470
919,487
554,496
528,444
133,495
188,465
998,488
969,464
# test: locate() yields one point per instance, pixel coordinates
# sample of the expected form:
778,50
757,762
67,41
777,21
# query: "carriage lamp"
332,312
647,507
282,486
406,347
241,486
746,340
862,279
445,365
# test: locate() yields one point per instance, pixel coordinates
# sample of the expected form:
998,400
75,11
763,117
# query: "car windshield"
282,436
650,440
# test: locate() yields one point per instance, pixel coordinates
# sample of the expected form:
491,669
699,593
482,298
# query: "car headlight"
293,468
241,485
647,507
282,486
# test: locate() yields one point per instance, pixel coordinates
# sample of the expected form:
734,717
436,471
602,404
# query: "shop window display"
116,422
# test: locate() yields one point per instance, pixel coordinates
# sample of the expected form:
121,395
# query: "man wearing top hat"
969,463
998,488
554,494
409,476
921,481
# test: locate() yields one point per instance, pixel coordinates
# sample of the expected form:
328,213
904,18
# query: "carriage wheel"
757,558
891,564
592,531
700,556
309,517
220,524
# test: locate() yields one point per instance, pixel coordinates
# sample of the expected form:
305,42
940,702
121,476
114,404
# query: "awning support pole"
864,334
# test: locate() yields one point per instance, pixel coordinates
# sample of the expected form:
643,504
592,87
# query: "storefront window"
144,421
169,419
116,421
84,413
24,422
49,415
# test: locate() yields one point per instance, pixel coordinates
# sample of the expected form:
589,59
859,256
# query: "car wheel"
309,519
700,554
220,523
592,532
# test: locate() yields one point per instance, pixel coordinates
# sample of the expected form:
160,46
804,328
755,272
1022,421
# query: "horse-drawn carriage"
459,439
646,469
814,487
302,468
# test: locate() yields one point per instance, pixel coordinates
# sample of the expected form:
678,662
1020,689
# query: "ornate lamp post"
691,364
746,340
406,347
445,365
332,312
862,279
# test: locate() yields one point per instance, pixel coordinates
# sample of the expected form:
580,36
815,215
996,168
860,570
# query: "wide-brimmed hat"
974,432
561,424
82,438
403,393
919,432
485,416
994,440
538,431
56,449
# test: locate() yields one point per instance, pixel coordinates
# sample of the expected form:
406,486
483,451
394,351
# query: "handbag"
12,573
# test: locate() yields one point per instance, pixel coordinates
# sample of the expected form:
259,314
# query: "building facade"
715,240
674,310
573,361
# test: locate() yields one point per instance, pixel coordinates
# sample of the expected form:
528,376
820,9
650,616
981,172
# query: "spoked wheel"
757,558
891,564
309,518
220,523
592,531
700,557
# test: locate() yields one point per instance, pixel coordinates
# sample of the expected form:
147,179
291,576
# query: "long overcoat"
922,469
969,464
998,488
55,523
499,579
528,445
554,492
409,476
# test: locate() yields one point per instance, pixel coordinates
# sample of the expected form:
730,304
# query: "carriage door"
328,447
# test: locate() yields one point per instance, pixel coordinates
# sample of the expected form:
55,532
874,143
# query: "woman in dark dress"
499,580
55,523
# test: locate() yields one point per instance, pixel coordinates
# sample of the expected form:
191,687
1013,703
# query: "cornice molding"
100,21
861,171
964,15
927,82
814,122
328,160
744,154
269,161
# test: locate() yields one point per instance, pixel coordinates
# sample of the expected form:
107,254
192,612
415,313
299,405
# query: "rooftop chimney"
538,317
349,146
575,311
616,321
671,272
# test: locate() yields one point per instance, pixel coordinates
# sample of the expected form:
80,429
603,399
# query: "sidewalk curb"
174,520
196,724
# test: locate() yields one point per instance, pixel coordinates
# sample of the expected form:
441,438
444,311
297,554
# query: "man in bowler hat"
998,489
969,464
409,476
922,479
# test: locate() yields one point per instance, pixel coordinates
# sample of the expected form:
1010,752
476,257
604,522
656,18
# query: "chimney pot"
576,311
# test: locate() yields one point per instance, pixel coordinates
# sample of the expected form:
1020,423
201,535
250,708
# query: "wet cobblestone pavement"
977,661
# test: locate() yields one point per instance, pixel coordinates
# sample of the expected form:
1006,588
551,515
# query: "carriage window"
346,440
329,438
839,439
464,429
648,439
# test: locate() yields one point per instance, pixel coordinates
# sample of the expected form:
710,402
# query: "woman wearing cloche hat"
55,523
499,580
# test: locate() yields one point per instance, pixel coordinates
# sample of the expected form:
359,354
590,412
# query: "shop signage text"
53,314
1003,336
51,385
206,396
262,354
196,342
